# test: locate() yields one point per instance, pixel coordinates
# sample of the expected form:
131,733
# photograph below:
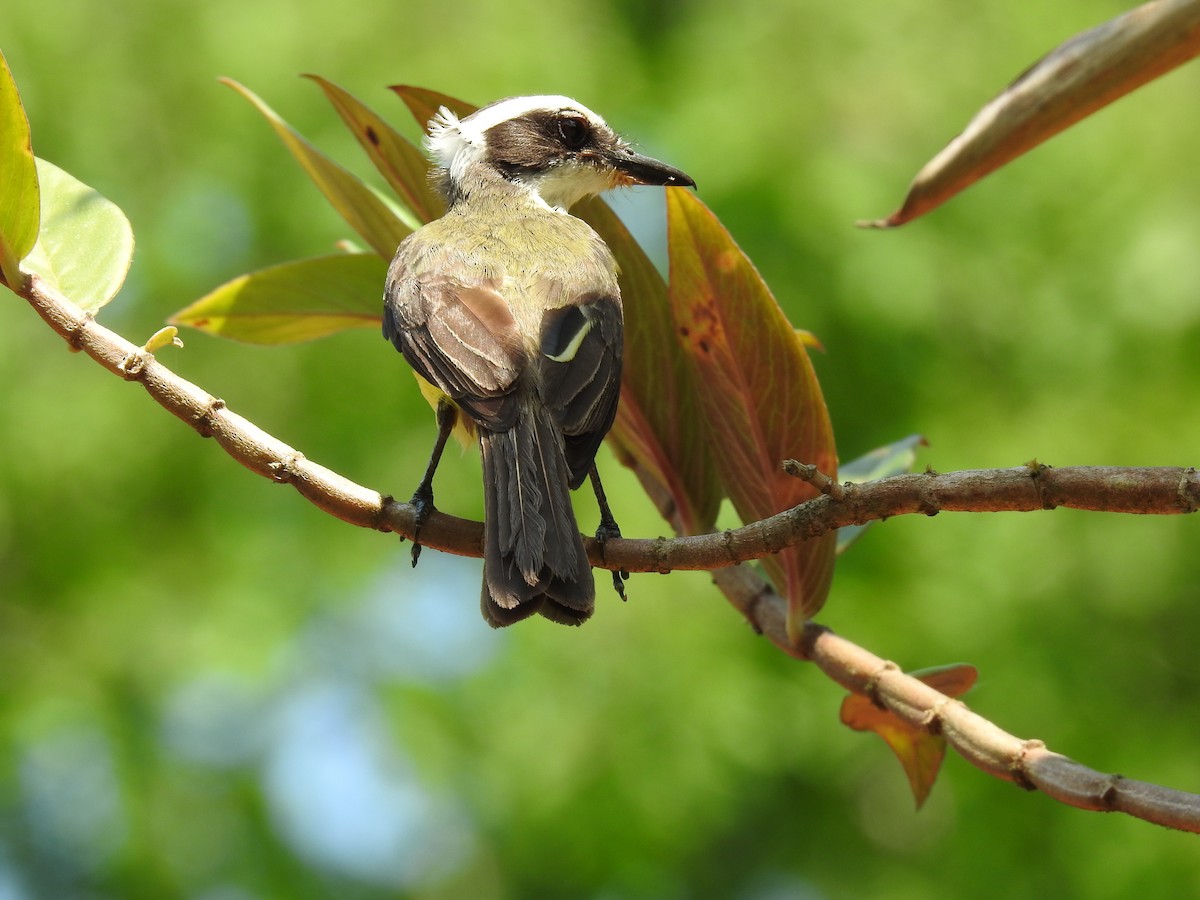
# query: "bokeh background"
211,690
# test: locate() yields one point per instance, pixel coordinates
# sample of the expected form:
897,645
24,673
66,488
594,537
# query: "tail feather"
534,561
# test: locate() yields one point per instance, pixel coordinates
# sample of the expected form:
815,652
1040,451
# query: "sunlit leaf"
19,204
402,164
362,209
659,432
85,243
296,301
919,752
424,104
891,459
757,389
1082,75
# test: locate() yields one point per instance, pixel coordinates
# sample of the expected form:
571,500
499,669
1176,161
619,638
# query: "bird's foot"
607,531
423,508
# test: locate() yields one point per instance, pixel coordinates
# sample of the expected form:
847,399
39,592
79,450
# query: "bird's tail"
534,561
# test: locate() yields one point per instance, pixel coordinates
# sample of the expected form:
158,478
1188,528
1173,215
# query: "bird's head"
555,146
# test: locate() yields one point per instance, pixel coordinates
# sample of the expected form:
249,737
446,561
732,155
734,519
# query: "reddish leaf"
402,164
919,752
1080,76
658,432
760,397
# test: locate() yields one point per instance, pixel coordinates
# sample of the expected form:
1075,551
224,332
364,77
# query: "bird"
508,310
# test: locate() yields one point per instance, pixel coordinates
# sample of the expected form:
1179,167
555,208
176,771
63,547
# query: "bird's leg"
608,529
422,498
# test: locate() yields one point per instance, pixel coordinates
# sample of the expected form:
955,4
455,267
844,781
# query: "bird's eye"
573,131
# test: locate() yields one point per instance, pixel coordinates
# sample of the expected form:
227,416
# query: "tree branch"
1026,762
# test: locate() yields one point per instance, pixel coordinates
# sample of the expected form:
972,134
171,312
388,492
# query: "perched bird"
509,307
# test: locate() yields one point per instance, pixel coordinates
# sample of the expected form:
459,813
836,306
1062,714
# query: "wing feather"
581,388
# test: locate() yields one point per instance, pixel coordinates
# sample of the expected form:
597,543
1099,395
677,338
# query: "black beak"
641,169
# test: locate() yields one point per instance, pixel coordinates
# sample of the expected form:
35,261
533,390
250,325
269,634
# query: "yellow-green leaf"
403,166
19,204
919,752
296,301
1080,76
362,209
85,243
757,389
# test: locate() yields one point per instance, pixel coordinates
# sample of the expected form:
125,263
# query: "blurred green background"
209,689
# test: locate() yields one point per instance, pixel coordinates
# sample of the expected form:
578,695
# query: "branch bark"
1034,486
1027,763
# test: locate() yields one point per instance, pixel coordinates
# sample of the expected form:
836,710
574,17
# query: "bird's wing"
463,339
580,374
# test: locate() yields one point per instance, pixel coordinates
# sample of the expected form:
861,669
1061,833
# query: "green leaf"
85,243
362,209
424,103
919,752
658,432
296,301
890,459
19,206
402,164
757,389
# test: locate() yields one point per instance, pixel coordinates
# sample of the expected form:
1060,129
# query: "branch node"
1036,471
1187,496
283,471
205,422
381,514
1018,769
134,364
933,720
1112,792
659,552
871,688
75,335
750,610
727,545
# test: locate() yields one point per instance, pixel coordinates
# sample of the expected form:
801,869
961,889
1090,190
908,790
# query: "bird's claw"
423,508
607,531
